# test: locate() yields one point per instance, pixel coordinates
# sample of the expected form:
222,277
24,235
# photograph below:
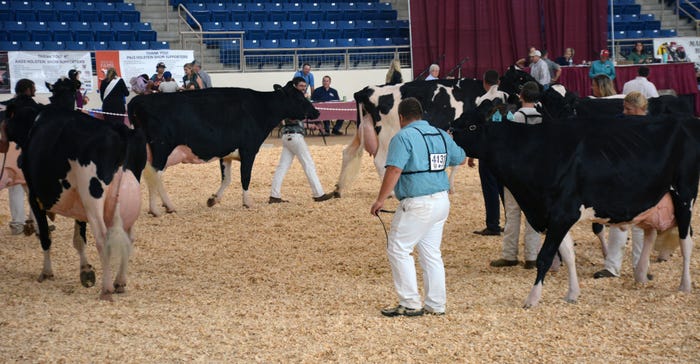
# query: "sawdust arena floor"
304,282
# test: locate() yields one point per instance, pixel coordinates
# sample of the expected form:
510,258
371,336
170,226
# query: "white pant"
418,223
511,233
617,239
16,197
294,145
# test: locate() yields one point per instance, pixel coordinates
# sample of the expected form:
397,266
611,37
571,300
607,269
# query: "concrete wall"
346,82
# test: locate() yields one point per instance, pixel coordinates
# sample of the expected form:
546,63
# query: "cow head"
297,106
469,131
16,124
512,82
63,93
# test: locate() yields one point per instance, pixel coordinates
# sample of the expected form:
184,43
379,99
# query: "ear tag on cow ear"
510,116
496,117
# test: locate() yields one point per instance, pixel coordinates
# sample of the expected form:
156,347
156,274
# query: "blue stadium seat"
364,42
256,7
630,17
118,45
82,31
277,15
123,32
295,34
289,43
652,24
380,42
31,46
646,16
40,31
130,16
290,25
367,6
76,46
139,45
159,45
25,15
332,33
314,33
62,30
53,46
666,33
251,44
308,43
316,15
229,52
220,15
346,42
634,26
202,16
353,14
400,41
257,15
293,6
17,30
334,15
88,11
329,6
297,15
10,46
354,33
102,31
651,33
621,34
239,15
44,11
98,45
387,15
635,34
326,43
269,43
144,32
233,25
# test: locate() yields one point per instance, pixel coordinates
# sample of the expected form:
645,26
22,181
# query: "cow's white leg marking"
686,250
534,297
169,208
225,182
87,273
640,272
566,249
149,173
46,271
247,200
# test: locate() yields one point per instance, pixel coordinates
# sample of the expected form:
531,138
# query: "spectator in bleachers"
603,66
393,76
169,84
525,61
637,54
191,80
539,69
434,72
305,73
641,84
328,93
158,77
113,92
553,67
206,79
567,59
80,98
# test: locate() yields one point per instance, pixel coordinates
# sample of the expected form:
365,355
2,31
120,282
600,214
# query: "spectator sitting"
327,93
637,54
169,84
434,72
393,76
603,66
641,84
567,59
141,84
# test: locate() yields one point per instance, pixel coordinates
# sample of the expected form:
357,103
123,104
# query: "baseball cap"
605,53
167,74
160,64
536,53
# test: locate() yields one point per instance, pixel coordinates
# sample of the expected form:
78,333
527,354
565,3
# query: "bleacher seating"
630,24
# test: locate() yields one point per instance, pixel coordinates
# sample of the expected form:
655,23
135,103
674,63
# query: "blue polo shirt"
308,78
599,67
409,150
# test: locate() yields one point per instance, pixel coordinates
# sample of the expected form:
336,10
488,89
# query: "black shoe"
530,264
325,197
503,263
487,232
276,200
337,132
402,311
603,274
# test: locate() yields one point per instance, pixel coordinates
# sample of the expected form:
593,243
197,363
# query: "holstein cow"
632,170
443,102
199,126
86,169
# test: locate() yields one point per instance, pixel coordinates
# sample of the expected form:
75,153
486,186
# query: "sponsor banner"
4,74
48,67
678,49
105,60
135,63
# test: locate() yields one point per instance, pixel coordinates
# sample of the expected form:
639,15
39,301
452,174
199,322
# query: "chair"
53,46
364,42
257,16
17,30
229,52
108,12
277,15
308,43
365,6
139,45
288,43
123,32
144,32
10,46
76,46
666,33
346,42
118,45
652,24
44,11
326,43
353,14
87,11
382,42
296,15
82,31
400,41
251,44
651,33
332,33
239,15
159,45
387,14
61,30
102,31
334,15
31,46
202,16
293,6
220,15
132,16
316,15
269,43
98,45
233,25
25,15
634,26
257,34
39,30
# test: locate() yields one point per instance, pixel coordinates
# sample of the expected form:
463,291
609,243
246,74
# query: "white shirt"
492,94
168,86
642,85
540,71
535,117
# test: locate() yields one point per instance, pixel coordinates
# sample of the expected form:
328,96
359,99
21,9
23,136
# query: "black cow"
608,170
443,102
198,126
83,168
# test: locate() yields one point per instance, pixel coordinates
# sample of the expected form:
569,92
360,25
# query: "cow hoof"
87,276
29,228
212,201
106,296
119,288
44,276
336,194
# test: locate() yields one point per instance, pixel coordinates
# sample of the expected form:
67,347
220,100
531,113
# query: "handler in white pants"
511,233
617,240
16,197
293,144
415,171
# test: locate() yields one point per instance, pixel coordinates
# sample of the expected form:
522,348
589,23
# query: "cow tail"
352,158
118,243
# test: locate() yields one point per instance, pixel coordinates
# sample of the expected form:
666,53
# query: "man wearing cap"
539,69
158,77
603,66
169,84
206,79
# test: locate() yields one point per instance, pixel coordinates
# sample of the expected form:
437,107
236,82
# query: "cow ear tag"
496,117
510,116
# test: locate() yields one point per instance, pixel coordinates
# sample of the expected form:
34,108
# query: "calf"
199,126
86,169
613,171
443,102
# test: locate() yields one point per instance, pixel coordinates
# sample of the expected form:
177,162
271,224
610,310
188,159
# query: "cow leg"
225,165
247,159
566,251
154,181
642,268
44,238
599,231
118,242
683,211
352,155
87,273
545,257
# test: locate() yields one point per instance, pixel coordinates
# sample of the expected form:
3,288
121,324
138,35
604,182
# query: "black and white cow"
443,102
638,170
199,126
84,168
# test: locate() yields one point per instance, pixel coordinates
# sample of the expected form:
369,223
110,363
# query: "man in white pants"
293,144
415,171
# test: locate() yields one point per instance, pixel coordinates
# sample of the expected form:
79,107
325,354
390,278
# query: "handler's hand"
376,206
